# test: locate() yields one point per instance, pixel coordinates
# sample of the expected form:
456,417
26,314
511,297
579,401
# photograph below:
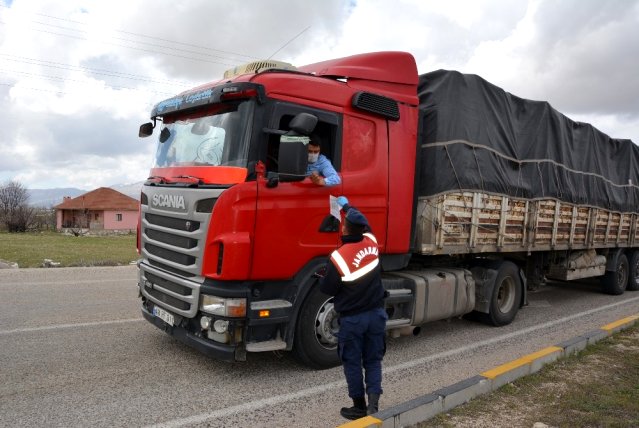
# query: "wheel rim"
622,275
326,325
506,295
635,274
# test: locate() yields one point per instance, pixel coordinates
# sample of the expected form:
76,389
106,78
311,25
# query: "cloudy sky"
78,77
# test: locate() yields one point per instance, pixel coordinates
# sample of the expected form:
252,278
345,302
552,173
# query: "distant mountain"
50,197
130,189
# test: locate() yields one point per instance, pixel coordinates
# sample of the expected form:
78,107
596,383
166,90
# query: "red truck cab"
232,233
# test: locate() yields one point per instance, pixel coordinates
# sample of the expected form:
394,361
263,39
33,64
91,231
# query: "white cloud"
78,77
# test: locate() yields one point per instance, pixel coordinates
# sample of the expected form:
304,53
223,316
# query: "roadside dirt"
599,387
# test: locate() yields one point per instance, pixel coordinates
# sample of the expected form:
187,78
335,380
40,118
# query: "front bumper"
220,351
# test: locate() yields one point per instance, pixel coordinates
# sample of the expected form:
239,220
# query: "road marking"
67,282
614,325
279,399
542,353
504,368
65,326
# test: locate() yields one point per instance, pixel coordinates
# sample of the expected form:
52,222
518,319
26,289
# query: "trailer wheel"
633,277
506,297
315,342
615,282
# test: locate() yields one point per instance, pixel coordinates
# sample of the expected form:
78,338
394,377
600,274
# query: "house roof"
103,198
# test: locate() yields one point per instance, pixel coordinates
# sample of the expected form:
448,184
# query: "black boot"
373,404
357,411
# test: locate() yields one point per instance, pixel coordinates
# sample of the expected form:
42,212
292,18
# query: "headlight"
205,323
223,306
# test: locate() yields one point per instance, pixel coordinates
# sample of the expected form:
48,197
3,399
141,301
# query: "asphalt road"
74,351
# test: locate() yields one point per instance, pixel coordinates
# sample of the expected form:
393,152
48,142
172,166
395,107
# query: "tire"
633,272
506,297
615,282
315,341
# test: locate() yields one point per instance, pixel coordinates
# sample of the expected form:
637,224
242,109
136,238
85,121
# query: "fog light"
205,323
220,326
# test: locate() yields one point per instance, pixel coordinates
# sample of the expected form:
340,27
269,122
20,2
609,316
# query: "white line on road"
64,326
279,399
66,282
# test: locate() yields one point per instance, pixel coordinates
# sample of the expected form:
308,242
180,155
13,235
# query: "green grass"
30,249
597,387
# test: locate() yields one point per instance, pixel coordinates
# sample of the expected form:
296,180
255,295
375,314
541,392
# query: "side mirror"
164,134
303,123
146,130
293,157
200,128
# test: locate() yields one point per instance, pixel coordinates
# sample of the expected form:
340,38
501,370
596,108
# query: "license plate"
164,315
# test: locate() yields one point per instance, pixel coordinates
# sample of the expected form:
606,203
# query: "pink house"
100,209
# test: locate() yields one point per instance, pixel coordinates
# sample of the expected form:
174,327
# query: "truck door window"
325,132
359,153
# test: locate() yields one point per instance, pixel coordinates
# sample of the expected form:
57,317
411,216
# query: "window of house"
97,216
118,217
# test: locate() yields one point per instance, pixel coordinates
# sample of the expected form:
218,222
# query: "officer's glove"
341,201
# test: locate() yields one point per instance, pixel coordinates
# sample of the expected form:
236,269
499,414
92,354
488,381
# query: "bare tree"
44,219
15,212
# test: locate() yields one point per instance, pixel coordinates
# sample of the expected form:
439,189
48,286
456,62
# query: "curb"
427,406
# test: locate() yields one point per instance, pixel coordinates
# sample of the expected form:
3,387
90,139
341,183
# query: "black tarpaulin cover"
476,136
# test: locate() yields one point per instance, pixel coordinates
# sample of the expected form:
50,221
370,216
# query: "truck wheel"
633,277
315,342
615,282
506,297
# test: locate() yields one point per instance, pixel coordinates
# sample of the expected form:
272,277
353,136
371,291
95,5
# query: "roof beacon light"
257,67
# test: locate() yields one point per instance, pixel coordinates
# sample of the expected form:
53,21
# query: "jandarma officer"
353,277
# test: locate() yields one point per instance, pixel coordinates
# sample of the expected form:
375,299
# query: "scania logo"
168,201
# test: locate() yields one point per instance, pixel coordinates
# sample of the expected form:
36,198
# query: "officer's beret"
355,217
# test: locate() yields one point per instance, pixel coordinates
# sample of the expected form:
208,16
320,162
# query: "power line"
287,43
116,74
69,67
74,93
64,79
140,35
132,47
155,45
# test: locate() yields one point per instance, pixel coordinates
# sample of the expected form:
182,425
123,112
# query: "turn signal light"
236,307
226,307
265,314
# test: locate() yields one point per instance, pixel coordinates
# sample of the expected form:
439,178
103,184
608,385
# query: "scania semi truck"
475,196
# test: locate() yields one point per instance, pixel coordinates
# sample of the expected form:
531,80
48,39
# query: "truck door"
365,176
293,222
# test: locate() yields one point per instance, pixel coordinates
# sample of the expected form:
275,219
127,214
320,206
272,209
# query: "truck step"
397,323
399,291
269,345
270,304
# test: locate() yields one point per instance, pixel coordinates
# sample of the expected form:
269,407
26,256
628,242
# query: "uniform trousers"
361,347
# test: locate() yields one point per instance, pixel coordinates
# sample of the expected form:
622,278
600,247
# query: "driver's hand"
317,179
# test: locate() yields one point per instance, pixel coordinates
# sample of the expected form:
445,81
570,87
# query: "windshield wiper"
158,179
197,180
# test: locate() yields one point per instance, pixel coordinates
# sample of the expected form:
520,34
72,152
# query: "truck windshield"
216,136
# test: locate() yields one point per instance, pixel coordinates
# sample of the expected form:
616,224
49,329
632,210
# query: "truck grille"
172,247
172,223
179,295
170,255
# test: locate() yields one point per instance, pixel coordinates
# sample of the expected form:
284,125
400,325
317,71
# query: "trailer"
475,197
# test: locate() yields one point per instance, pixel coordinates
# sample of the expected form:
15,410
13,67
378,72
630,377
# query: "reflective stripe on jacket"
355,260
